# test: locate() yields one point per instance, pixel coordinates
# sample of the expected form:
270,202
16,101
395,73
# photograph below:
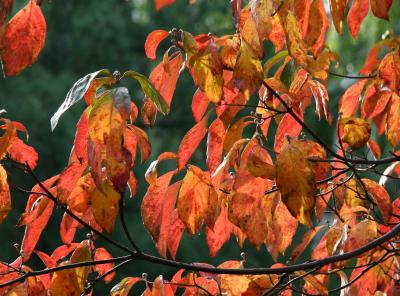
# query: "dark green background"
84,36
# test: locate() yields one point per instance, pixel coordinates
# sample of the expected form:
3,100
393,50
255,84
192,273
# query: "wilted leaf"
23,39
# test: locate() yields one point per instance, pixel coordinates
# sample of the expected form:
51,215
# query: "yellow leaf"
81,254
208,72
355,195
5,197
356,131
247,73
105,206
193,198
295,43
295,179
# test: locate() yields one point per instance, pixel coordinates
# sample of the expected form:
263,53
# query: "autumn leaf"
356,15
393,121
5,197
295,180
193,198
165,75
348,103
160,4
338,8
380,196
287,128
102,254
105,206
191,141
247,73
317,27
381,8
389,70
356,131
207,70
296,46
360,234
75,94
23,39
199,105
152,42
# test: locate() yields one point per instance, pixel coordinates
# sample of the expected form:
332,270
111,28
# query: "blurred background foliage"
84,36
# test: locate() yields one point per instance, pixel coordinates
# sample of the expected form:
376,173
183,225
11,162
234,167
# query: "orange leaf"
191,141
287,127
295,178
338,8
152,42
380,196
23,39
348,103
356,131
360,234
105,206
380,8
193,198
317,27
296,46
215,144
393,121
220,234
199,105
102,254
5,197
389,70
356,15
247,73
152,205
165,75
161,3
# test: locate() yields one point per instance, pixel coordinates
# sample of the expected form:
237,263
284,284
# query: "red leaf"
102,254
23,153
221,233
152,205
199,105
5,197
380,8
153,40
68,179
389,70
215,144
23,39
165,75
348,103
142,141
168,207
175,233
161,3
372,60
356,15
380,196
68,227
190,141
34,229
81,138
287,127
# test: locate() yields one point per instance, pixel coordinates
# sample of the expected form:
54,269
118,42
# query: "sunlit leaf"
23,39
152,42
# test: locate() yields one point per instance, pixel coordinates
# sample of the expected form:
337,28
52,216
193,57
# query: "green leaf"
75,94
149,91
273,60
